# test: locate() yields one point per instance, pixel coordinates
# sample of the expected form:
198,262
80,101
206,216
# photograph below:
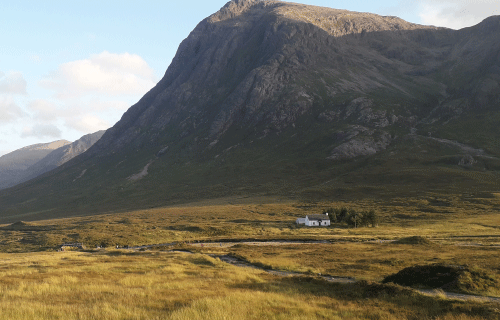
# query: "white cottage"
300,221
315,220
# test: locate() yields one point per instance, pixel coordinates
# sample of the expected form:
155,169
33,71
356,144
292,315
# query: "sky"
69,68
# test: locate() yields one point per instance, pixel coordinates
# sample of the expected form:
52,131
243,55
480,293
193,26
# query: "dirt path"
458,296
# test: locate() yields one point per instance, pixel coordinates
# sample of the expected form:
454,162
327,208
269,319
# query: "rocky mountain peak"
342,22
237,7
335,22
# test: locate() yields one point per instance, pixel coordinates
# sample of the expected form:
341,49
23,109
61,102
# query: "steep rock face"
245,66
14,164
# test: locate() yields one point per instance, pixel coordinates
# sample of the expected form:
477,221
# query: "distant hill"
283,99
14,164
62,155
29,162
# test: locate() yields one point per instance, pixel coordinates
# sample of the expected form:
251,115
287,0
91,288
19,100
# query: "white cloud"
87,123
12,83
105,73
456,14
3,143
92,94
43,110
88,95
84,115
10,111
41,131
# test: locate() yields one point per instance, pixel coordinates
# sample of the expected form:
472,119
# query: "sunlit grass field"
174,285
370,261
39,282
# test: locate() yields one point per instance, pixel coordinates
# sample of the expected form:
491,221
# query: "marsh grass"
36,282
173,285
374,261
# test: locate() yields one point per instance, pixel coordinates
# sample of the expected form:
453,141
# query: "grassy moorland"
374,261
38,282
442,219
174,285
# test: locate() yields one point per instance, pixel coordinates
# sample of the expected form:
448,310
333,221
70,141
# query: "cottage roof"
318,217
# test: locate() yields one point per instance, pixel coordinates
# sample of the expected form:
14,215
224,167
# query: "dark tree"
342,214
372,218
354,218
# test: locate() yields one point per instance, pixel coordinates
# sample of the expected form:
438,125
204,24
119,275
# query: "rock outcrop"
361,141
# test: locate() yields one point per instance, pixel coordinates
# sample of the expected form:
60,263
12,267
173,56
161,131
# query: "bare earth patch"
141,174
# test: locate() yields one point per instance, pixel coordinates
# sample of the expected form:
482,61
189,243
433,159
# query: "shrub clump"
414,240
447,277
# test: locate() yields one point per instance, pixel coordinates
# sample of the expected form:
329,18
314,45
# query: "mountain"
283,99
29,162
62,155
14,164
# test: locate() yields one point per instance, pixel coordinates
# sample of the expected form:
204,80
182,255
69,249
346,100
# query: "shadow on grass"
420,306
119,253
26,226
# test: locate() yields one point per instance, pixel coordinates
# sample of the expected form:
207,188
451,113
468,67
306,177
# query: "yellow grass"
368,261
36,282
170,285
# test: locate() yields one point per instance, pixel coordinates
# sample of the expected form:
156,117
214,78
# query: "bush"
414,240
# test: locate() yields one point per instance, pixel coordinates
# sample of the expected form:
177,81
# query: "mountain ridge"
13,163
54,154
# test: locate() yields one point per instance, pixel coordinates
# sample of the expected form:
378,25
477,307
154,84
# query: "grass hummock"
446,277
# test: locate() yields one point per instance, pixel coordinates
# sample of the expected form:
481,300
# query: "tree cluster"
352,217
